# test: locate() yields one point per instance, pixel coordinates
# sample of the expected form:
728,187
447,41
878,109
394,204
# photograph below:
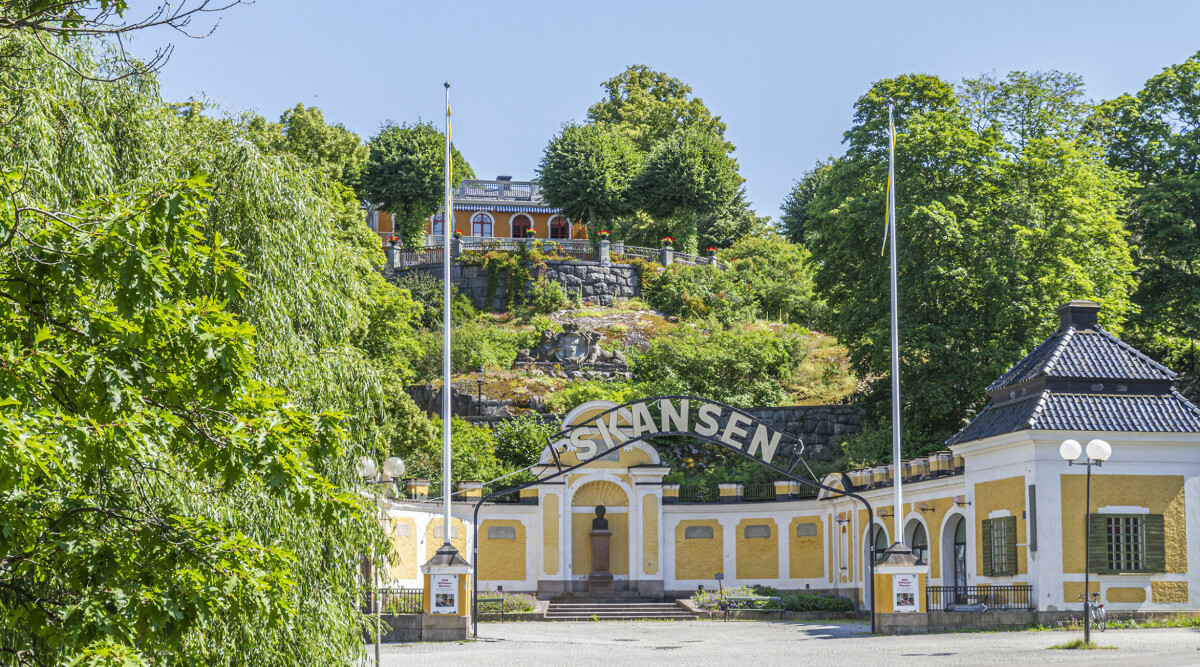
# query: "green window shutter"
1010,532
986,533
1155,553
1098,544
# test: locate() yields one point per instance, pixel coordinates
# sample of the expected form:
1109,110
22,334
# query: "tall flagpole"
447,234
897,471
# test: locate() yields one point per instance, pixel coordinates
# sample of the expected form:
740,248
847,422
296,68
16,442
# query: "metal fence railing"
637,252
393,600
690,260
984,597
757,493
699,494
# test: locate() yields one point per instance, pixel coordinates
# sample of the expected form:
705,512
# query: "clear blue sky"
782,75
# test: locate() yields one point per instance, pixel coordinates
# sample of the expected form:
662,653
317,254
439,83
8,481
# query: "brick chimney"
1080,314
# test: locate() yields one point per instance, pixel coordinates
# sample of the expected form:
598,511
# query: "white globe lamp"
1098,450
1070,450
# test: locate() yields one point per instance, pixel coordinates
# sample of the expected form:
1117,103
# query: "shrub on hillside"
780,274
428,292
698,292
545,296
474,344
520,440
474,454
746,365
575,393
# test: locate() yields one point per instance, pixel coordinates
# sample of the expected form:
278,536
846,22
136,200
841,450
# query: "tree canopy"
588,171
405,174
1153,134
1000,220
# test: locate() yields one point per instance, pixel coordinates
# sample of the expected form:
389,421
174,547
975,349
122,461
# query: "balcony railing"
1007,597
757,493
699,494
515,191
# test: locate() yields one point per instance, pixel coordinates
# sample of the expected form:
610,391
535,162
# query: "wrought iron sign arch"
622,426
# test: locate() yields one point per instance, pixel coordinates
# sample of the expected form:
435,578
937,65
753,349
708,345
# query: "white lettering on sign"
642,421
672,417
709,414
761,443
587,440
733,427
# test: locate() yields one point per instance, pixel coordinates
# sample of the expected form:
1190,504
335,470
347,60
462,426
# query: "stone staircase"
614,607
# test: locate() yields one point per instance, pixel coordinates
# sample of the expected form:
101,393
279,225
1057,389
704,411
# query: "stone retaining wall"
593,282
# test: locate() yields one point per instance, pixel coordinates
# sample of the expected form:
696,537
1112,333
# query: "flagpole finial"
447,84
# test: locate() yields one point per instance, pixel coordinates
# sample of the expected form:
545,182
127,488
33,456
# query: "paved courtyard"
759,643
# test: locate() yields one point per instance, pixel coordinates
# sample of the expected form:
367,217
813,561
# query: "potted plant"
667,241
712,252
394,240
602,234
457,234
529,233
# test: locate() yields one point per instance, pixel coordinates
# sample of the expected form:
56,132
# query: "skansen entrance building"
999,519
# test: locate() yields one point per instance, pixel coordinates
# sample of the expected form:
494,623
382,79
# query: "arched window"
960,553
919,541
521,224
481,225
435,227
560,228
881,543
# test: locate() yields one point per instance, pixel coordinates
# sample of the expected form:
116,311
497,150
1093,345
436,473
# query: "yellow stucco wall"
501,227
933,522
1001,494
649,535
601,492
805,554
1169,591
501,558
403,559
550,533
432,544
757,557
696,558
1073,589
1125,594
581,543
1161,494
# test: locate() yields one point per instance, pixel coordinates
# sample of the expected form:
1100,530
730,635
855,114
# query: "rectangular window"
1126,543
1000,538
999,546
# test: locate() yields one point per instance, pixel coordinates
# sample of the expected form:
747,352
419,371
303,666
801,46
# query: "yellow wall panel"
757,557
1002,494
649,535
502,559
1125,594
1073,589
550,533
699,558
806,554
1169,591
1161,494
432,543
403,558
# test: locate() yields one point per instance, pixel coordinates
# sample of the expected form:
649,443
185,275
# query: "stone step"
617,611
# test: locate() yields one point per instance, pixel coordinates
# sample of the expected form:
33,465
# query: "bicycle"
1096,612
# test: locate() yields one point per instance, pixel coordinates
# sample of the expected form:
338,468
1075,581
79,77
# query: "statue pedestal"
600,579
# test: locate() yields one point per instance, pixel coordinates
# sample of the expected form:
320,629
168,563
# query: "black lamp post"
479,390
1098,452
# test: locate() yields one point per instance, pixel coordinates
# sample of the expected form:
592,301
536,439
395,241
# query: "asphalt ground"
836,644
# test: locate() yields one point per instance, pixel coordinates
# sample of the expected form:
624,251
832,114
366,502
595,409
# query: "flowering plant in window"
603,234
394,240
457,234
667,240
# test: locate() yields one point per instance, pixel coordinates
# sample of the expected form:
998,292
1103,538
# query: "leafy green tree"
649,106
520,440
795,216
781,276
998,224
405,174
1153,135
687,176
724,226
304,325
337,153
588,171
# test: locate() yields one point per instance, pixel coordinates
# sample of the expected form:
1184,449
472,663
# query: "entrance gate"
621,426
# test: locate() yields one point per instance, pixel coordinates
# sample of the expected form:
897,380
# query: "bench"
751,598
500,600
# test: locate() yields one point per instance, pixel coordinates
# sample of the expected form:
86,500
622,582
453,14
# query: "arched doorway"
918,540
954,553
584,500
871,553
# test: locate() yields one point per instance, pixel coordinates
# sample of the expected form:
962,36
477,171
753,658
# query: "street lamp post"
1098,452
393,470
479,390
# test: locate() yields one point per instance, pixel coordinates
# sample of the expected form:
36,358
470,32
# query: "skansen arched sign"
597,430
597,427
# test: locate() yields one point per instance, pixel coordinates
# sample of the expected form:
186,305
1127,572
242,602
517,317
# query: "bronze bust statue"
600,523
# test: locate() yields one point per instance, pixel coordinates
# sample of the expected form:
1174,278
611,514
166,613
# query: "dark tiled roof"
1090,353
1169,413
